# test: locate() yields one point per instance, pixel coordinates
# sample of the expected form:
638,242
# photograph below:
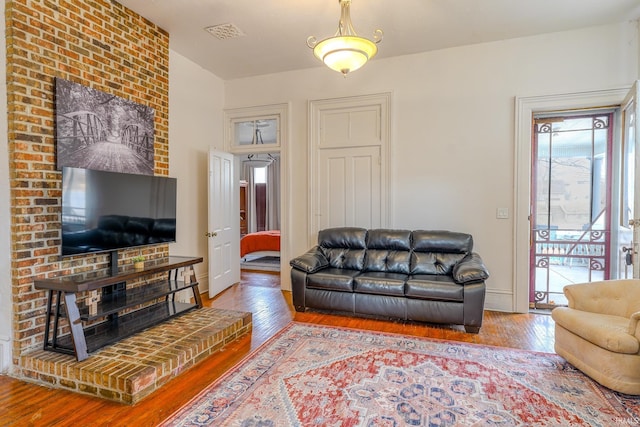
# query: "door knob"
211,234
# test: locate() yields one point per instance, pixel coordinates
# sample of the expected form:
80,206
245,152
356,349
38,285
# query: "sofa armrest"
470,269
311,261
634,325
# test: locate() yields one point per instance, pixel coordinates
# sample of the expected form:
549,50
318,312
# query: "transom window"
254,129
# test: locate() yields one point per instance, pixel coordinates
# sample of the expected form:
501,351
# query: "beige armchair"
599,333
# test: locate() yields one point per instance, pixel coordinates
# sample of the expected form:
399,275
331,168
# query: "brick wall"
97,43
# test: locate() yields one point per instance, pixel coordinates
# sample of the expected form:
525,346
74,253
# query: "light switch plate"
502,213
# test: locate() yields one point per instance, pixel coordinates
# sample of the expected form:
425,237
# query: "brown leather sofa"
427,276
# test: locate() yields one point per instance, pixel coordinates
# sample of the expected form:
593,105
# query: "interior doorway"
258,136
260,220
571,203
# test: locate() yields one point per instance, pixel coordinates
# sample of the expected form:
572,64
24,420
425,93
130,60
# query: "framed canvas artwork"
97,130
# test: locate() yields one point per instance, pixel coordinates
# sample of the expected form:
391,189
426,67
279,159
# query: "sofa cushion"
343,247
387,261
392,240
441,241
345,258
604,330
380,283
335,279
137,230
434,262
388,251
343,237
619,297
434,287
163,230
119,230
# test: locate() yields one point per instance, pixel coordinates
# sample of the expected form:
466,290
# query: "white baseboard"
499,300
5,354
203,283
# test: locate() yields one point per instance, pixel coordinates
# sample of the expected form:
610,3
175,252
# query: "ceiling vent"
225,31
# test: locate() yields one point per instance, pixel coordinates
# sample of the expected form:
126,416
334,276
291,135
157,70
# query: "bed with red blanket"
259,242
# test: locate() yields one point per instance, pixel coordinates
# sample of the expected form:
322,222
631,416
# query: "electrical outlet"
502,213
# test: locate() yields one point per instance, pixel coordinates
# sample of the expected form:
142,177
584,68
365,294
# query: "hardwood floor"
27,404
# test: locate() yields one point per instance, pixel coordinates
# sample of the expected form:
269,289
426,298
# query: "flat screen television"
107,211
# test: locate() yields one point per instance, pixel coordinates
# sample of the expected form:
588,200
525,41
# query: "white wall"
196,99
453,127
6,310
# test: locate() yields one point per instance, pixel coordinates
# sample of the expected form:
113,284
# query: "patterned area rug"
311,375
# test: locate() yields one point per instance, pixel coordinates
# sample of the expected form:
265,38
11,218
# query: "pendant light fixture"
345,51
258,160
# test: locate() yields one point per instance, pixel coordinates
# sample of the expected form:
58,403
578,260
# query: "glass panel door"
571,199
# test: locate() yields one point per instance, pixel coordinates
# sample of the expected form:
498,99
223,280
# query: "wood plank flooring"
26,404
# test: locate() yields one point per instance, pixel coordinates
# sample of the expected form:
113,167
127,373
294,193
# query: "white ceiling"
275,31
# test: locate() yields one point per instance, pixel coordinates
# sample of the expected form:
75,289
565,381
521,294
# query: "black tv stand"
119,311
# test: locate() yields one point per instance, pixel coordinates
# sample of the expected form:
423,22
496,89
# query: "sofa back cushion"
441,241
434,263
388,251
344,247
163,230
394,251
109,230
438,251
137,231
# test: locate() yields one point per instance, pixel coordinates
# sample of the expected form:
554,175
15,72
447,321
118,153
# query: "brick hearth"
135,367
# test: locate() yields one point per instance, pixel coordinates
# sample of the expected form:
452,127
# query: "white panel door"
350,127
349,174
351,192
224,223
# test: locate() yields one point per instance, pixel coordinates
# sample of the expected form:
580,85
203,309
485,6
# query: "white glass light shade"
345,53
257,163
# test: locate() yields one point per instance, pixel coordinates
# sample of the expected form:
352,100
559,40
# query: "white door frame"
632,101
282,112
525,107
